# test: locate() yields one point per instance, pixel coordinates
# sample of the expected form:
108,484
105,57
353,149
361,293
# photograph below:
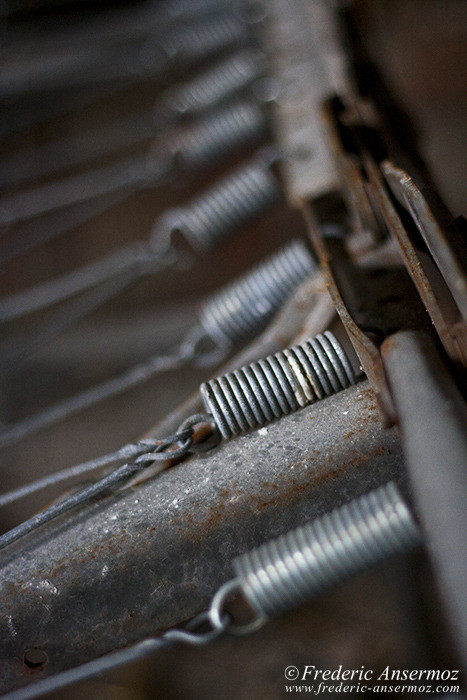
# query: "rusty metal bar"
433,421
151,556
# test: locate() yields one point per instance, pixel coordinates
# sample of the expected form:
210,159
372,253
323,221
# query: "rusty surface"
148,557
437,228
432,289
432,417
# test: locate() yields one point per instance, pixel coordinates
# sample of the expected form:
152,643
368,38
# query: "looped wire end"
217,616
202,440
190,636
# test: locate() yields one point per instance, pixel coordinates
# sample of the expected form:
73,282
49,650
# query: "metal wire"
34,233
291,379
290,570
205,222
262,292
150,58
116,659
89,397
279,575
128,174
208,89
131,261
200,146
244,195
124,453
183,438
17,352
244,308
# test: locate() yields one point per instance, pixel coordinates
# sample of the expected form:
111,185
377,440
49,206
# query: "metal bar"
433,420
120,569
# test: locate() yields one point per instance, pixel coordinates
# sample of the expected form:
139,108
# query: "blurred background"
420,48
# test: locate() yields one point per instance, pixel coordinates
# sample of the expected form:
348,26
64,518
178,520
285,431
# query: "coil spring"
238,127
248,192
290,570
291,379
243,308
212,87
193,43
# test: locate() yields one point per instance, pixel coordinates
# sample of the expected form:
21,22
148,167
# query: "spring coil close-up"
228,77
194,43
235,200
255,395
244,307
237,127
291,569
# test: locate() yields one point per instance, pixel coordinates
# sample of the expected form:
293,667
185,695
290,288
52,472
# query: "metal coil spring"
227,78
236,128
278,385
207,220
243,308
290,570
194,42
187,9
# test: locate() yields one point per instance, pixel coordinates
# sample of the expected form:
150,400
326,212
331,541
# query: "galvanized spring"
278,385
218,136
242,309
194,42
242,196
290,570
228,77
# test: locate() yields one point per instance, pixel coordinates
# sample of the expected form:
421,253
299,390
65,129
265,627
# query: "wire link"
176,446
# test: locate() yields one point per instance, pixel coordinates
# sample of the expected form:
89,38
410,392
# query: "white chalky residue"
11,626
48,586
263,431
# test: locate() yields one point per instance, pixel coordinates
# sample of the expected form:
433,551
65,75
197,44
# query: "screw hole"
35,658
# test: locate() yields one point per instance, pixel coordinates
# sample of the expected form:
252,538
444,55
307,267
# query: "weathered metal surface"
436,226
373,298
433,421
430,285
151,556
308,65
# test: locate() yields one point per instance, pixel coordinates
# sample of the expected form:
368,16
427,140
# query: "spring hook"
235,200
255,395
243,308
291,569
228,77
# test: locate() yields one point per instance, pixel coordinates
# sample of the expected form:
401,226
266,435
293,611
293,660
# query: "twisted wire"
290,570
244,307
228,77
123,473
235,200
128,451
255,395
